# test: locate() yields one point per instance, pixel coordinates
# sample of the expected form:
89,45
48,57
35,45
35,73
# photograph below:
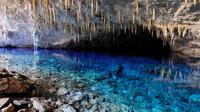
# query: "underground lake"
115,83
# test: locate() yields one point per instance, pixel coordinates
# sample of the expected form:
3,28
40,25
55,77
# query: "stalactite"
119,17
186,1
69,4
170,27
34,2
54,16
61,2
137,6
90,37
79,12
109,26
158,33
50,17
94,27
92,7
66,4
113,28
104,22
47,4
194,2
133,18
132,28
184,31
179,31
147,6
149,25
165,32
97,7
154,14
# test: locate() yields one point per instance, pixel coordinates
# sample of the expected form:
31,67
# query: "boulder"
11,85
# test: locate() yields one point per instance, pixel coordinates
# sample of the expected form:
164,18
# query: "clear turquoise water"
144,85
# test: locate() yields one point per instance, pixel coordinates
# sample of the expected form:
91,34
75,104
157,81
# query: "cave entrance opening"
121,42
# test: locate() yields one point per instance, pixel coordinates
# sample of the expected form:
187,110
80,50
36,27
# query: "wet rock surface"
14,84
40,95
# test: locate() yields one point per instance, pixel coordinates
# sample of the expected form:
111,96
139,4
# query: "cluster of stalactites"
193,2
165,30
46,13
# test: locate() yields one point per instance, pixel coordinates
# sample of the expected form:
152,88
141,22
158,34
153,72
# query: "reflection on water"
142,84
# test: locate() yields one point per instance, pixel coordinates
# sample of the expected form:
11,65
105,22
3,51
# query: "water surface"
141,84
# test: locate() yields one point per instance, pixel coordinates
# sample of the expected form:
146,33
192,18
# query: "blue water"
141,84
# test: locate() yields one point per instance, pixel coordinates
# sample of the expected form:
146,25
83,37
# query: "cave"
121,42
99,55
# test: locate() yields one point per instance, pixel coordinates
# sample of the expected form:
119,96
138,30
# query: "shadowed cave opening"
122,42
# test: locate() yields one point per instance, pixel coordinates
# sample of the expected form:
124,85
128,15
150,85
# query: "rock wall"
55,23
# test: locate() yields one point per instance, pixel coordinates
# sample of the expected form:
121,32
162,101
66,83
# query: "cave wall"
24,21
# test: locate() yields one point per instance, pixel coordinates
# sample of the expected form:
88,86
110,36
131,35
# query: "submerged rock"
69,109
65,108
40,105
195,98
74,97
62,91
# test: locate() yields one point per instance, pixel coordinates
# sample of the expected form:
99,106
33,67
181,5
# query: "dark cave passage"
126,43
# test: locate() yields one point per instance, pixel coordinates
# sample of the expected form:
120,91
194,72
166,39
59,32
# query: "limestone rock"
62,91
11,85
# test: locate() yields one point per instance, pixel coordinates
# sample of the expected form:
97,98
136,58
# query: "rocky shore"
19,93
